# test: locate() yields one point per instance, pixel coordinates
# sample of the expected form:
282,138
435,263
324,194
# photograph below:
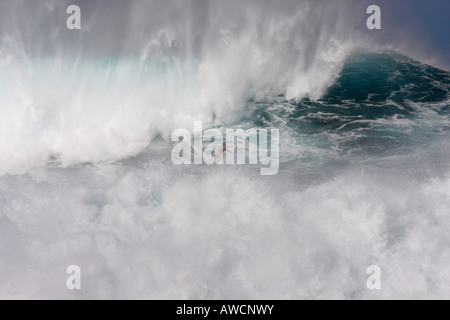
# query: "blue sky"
423,23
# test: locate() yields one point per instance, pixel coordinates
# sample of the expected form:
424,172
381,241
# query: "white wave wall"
171,64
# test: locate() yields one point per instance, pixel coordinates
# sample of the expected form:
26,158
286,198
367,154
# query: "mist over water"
86,176
147,67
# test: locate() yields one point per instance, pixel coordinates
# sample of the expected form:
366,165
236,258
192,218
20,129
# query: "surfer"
222,150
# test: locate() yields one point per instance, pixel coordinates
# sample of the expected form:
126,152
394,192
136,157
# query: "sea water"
86,176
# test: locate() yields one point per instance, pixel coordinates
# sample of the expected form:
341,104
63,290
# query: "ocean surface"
86,176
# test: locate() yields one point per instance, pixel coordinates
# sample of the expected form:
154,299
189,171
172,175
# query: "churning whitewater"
86,176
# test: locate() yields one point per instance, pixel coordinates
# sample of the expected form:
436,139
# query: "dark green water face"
382,77
381,105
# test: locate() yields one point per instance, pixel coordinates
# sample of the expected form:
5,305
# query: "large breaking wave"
86,176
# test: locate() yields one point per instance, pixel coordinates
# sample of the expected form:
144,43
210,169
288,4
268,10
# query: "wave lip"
380,105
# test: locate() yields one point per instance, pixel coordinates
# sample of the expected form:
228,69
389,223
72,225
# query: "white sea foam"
151,232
